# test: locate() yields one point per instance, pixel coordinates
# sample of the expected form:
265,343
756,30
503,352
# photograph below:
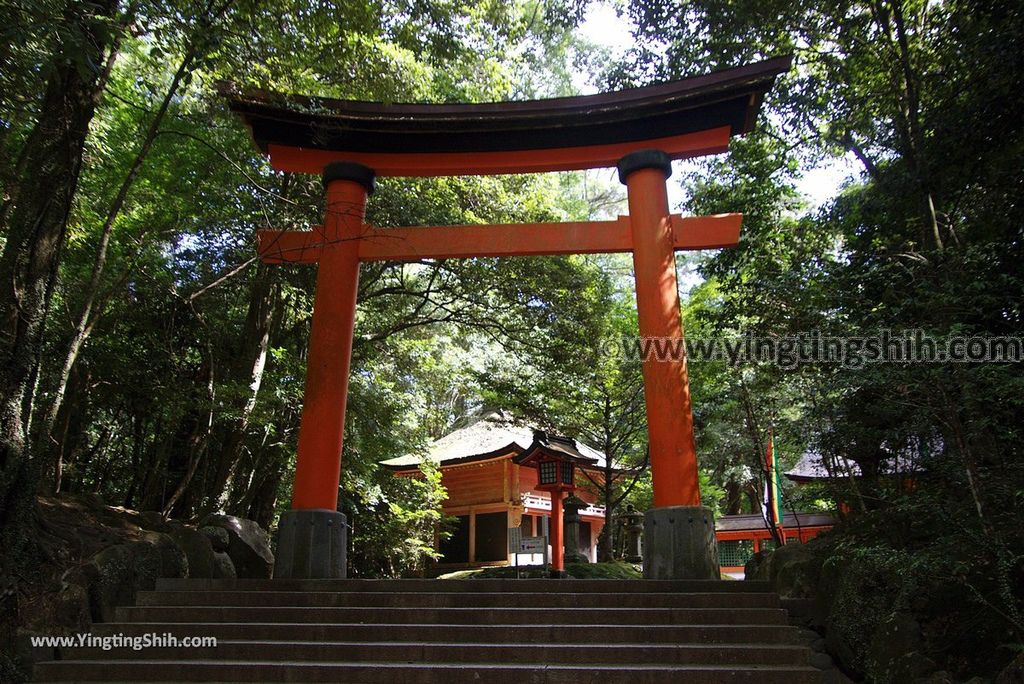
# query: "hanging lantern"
568,474
555,459
548,472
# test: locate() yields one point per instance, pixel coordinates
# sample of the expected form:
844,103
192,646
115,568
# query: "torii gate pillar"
679,533
313,536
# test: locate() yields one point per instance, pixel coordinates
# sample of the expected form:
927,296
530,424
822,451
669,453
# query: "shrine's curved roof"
492,435
815,466
304,133
755,521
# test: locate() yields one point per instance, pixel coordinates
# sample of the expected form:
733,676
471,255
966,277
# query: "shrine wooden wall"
476,484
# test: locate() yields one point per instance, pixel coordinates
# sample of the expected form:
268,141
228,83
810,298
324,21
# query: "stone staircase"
451,631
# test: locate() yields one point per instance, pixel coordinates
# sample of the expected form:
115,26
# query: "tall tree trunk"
157,456
889,18
72,420
753,497
758,456
12,184
606,539
138,444
198,444
912,98
86,459
86,317
264,506
36,231
733,497
263,299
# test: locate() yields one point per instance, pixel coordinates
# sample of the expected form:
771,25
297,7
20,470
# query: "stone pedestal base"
679,543
311,545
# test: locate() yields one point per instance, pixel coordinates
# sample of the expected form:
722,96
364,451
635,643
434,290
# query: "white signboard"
533,545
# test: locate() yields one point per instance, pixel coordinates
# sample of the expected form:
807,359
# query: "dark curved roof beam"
686,118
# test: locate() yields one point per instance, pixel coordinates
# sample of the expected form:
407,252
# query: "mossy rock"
197,548
153,520
109,581
248,545
614,570
158,556
115,574
13,669
863,594
794,570
218,537
894,650
1012,673
223,568
757,567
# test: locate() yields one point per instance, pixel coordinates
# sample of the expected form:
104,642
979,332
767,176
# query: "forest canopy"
147,356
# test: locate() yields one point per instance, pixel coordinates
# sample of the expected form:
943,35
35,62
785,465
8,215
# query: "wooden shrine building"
489,493
741,536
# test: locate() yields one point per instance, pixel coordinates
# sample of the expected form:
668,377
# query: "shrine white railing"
543,503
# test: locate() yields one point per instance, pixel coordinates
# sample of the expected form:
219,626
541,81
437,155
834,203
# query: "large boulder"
114,575
756,567
793,569
157,556
197,548
895,650
248,545
153,520
108,578
871,627
71,607
223,568
219,539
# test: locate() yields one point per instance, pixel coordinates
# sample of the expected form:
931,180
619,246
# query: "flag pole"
773,508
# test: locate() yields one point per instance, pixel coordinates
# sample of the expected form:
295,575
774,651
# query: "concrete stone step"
457,652
524,616
450,632
478,585
421,673
457,599
538,633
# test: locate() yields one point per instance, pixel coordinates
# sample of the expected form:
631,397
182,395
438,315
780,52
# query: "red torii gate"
638,130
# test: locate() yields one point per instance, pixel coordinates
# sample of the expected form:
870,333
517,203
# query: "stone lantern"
573,505
555,459
633,525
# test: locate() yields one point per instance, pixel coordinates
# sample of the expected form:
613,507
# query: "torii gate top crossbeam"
685,118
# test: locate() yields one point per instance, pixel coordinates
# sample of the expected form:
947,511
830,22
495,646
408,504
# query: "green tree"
926,238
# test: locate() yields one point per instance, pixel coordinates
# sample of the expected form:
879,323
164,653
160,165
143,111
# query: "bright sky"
603,27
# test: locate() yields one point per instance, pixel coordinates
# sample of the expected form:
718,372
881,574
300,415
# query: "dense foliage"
926,237
168,367
146,356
